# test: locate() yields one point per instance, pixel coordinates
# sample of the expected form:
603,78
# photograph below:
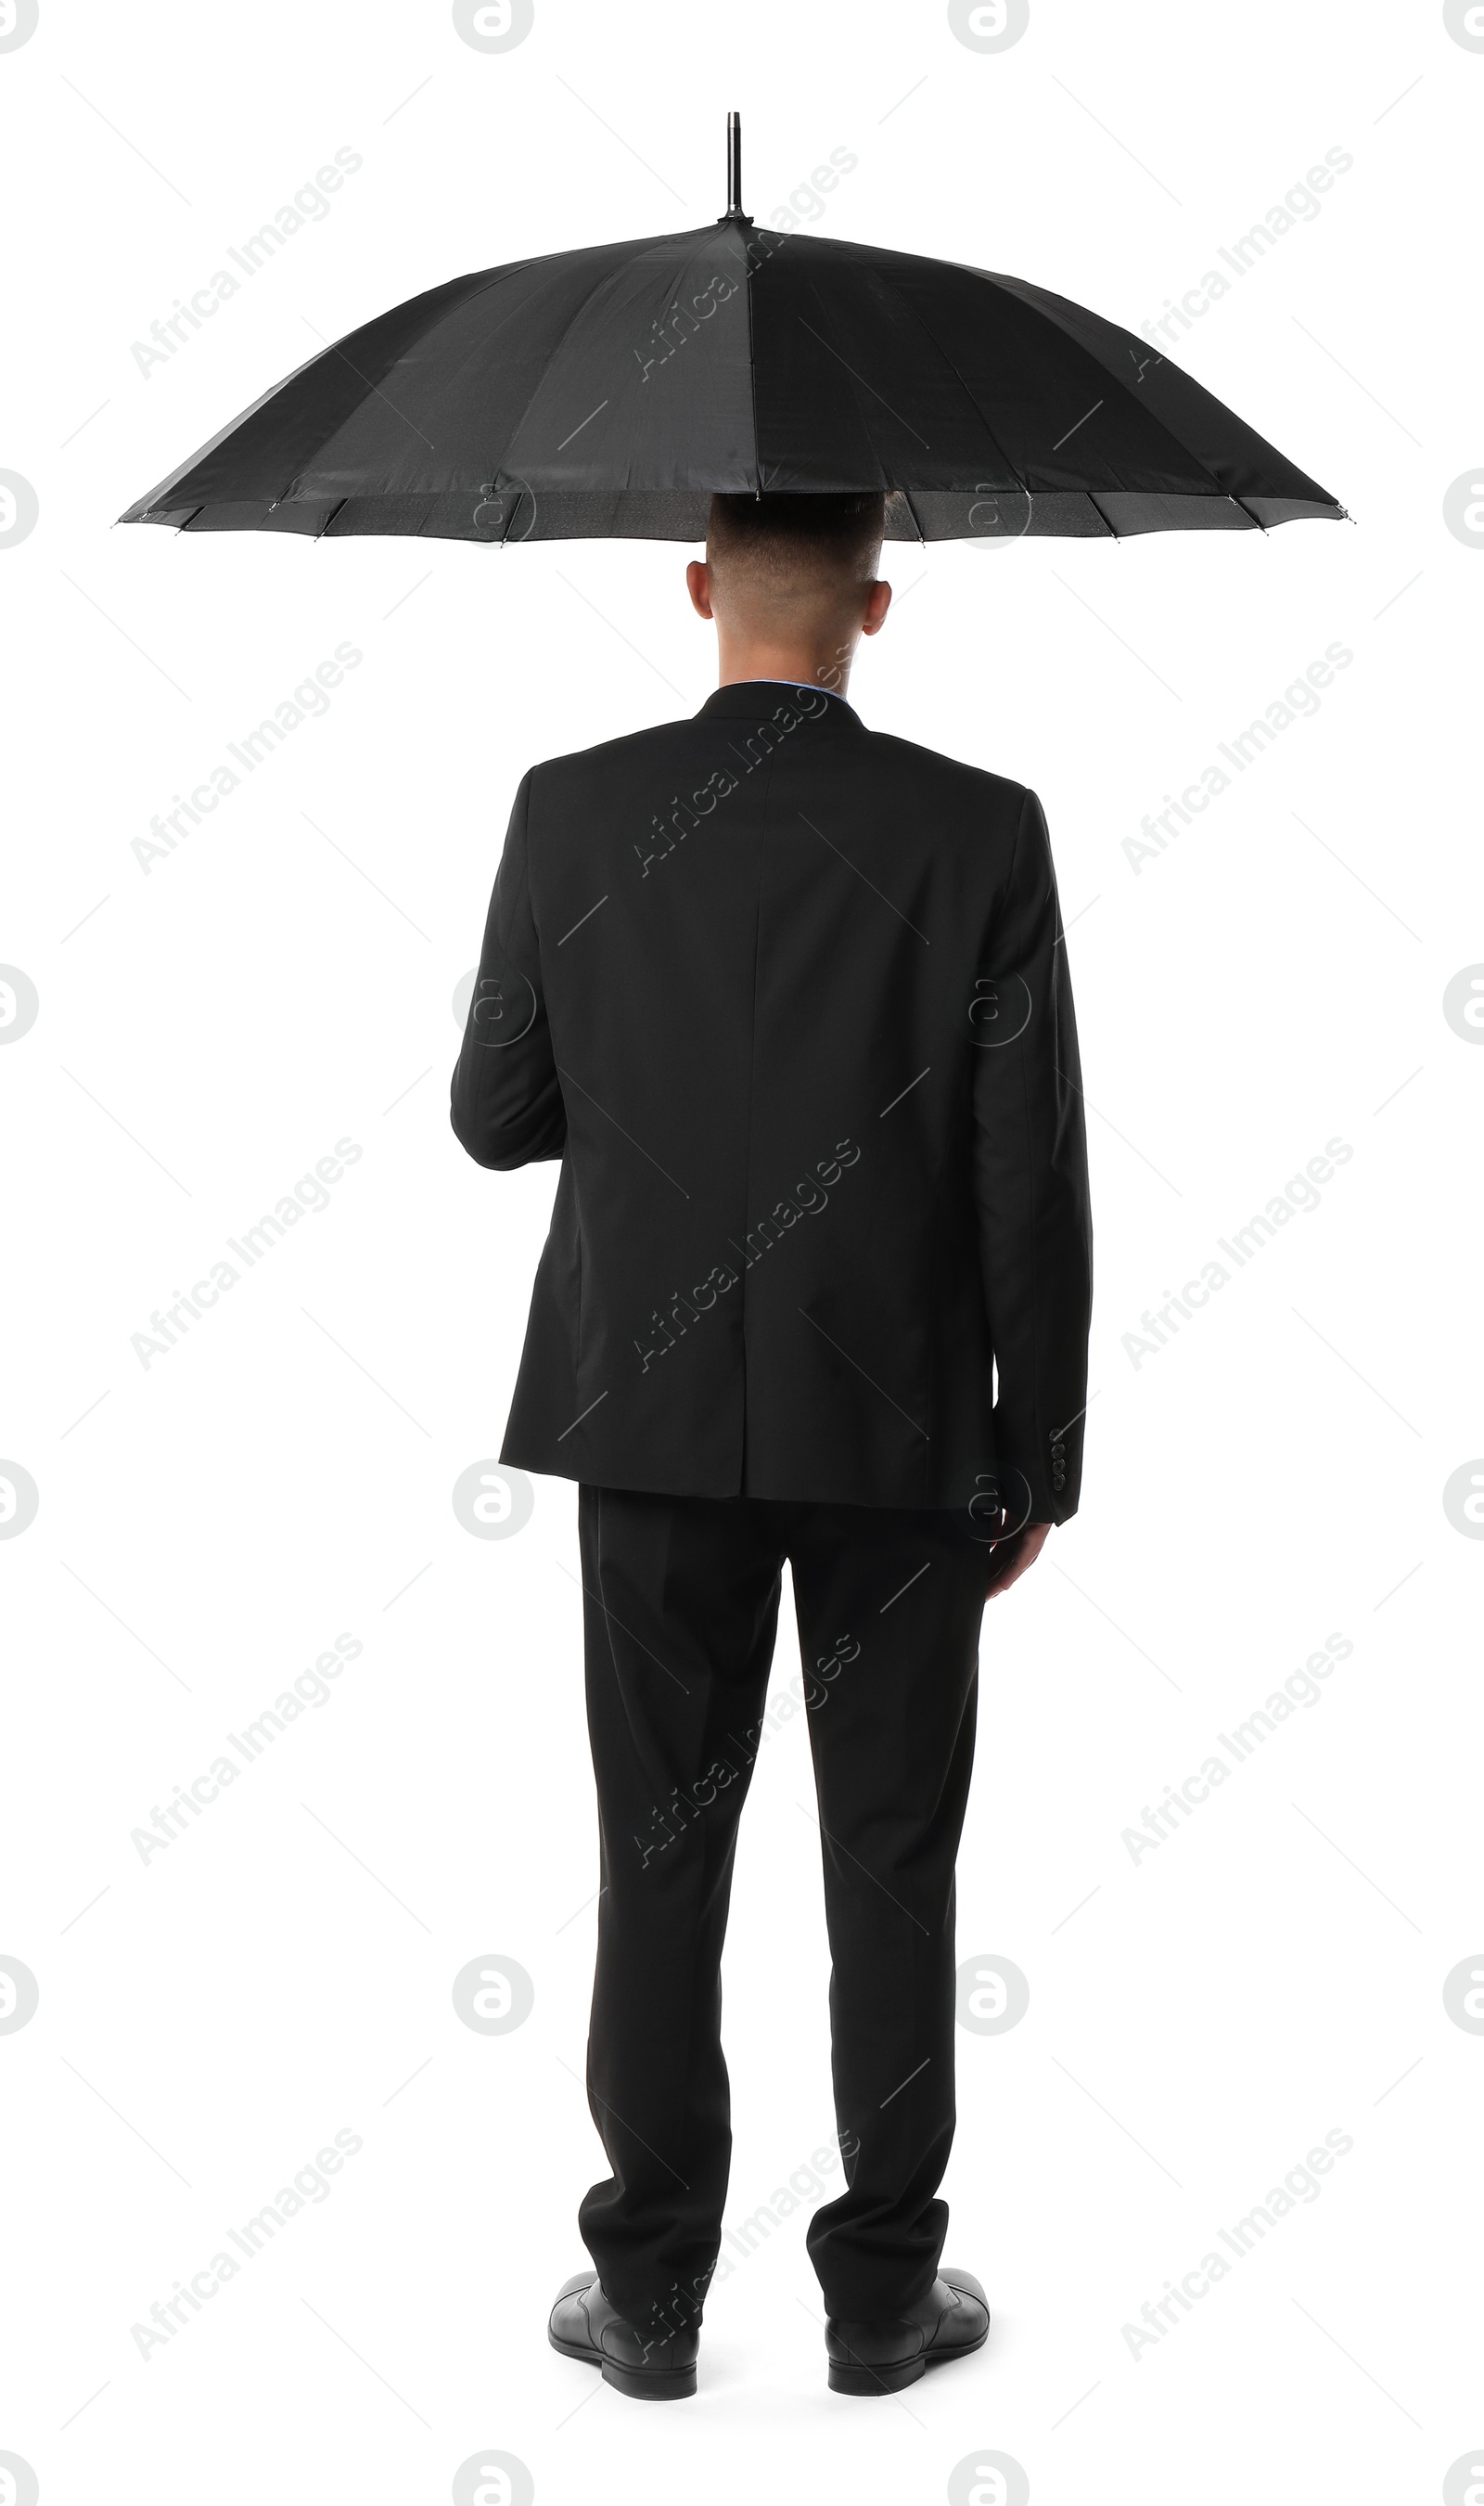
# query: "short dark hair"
778,538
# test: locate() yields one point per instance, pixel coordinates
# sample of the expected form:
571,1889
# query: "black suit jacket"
788,999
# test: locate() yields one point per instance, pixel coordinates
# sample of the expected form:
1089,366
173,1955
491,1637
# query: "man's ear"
878,601
698,585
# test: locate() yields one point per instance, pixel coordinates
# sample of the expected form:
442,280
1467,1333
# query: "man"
788,999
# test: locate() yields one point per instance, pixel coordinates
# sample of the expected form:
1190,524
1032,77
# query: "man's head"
791,580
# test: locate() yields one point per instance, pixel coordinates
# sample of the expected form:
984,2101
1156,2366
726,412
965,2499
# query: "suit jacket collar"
758,700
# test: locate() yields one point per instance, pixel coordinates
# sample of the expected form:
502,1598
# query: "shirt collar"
761,697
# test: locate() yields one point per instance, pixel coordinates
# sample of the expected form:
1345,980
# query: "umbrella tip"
735,165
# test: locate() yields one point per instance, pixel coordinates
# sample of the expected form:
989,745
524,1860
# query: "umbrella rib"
326,350
604,280
972,397
907,494
333,348
514,270
1150,415
866,386
931,335
752,371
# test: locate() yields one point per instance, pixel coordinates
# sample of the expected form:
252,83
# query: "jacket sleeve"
506,1101
1030,1177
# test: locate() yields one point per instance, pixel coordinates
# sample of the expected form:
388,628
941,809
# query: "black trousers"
680,1610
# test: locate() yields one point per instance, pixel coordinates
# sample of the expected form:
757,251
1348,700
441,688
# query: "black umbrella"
607,393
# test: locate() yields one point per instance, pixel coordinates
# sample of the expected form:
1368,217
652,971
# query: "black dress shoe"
585,2325
881,2356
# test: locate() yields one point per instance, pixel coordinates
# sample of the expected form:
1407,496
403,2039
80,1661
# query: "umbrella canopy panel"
607,393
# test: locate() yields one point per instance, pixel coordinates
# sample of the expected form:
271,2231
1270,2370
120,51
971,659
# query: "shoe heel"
867,2382
673,2384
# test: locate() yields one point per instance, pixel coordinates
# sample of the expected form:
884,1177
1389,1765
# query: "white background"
207,1031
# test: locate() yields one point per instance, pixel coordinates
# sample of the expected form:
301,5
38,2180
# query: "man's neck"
801,664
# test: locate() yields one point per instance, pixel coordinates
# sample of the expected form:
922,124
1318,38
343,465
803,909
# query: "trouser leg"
681,1605
889,1612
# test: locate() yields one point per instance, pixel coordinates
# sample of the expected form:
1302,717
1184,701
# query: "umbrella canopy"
609,392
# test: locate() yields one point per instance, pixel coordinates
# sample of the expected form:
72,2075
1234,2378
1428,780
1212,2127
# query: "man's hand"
1009,1557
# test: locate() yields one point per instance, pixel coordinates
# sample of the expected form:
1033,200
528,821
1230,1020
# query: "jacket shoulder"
963,792
973,786
609,756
